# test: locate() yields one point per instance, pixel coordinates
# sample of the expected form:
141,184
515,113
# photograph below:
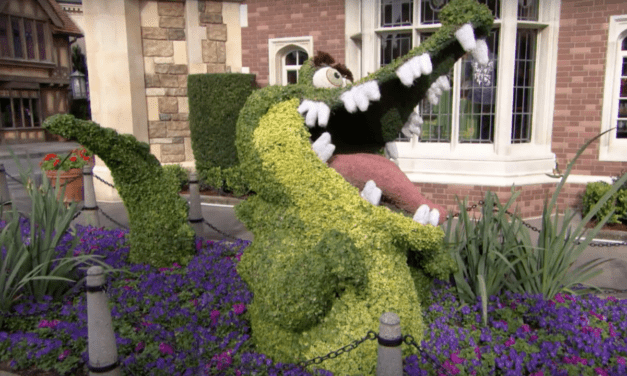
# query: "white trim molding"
612,148
278,48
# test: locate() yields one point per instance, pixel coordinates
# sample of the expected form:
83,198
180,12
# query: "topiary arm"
159,231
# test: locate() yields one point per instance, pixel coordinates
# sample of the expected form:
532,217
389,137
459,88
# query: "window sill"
27,63
476,165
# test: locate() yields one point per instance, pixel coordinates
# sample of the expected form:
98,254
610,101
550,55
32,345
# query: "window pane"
527,10
438,119
393,46
41,41
17,113
6,113
17,38
5,50
523,85
624,44
302,56
429,9
27,112
30,41
478,96
292,76
290,59
396,13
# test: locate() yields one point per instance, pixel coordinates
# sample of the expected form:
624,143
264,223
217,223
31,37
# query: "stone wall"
166,66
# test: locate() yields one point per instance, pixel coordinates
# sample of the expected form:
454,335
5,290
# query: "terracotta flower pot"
72,180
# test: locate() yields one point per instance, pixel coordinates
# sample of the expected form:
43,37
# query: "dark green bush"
179,173
159,231
215,101
618,202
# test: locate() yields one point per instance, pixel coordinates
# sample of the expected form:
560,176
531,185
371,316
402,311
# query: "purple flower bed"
192,321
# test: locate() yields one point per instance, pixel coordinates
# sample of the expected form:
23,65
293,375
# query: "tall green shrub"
215,101
617,203
159,231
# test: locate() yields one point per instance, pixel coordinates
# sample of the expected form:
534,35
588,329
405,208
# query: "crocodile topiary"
159,231
326,263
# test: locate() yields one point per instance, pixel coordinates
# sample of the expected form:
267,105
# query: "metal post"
90,209
5,195
195,212
103,353
389,358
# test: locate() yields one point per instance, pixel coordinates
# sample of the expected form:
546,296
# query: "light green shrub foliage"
159,231
592,195
215,101
325,264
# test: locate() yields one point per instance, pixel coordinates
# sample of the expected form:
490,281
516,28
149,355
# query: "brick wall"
581,65
322,19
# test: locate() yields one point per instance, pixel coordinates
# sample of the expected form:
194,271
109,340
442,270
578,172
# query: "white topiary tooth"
480,53
312,116
432,98
416,66
361,100
405,74
348,98
371,89
443,83
425,64
324,112
371,193
434,217
466,37
326,152
391,150
422,215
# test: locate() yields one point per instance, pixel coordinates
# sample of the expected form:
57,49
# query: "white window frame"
500,163
612,148
289,68
278,48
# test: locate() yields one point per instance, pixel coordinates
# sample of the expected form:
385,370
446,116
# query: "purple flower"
139,347
539,373
239,308
620,360
510,342
214,316
164,348
601,372
456,359
64,354
558,298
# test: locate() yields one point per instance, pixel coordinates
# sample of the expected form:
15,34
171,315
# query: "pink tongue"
357,169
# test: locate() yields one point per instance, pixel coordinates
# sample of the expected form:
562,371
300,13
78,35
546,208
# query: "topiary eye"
328,77
334,77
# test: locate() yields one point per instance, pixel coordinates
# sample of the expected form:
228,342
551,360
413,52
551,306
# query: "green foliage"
215,101
159,231
30,266
547,267
180,174
325,264
228,179
482,248
498,248
616,204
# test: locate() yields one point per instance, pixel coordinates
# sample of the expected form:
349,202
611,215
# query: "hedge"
215,101
159,232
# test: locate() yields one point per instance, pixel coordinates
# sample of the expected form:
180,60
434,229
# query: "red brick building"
557,77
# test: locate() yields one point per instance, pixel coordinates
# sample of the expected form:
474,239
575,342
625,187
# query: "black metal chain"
14,178
218,230
103,181
409,340
112,220
370,336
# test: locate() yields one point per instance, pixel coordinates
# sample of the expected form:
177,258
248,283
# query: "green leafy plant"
547,267
30,264
77,158
482,248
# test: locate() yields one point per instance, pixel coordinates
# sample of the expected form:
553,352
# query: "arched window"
286,56
614,143
292,62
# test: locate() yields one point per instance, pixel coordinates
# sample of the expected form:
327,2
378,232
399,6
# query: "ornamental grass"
193,321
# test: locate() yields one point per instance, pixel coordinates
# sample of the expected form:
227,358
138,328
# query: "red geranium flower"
72,159
50,156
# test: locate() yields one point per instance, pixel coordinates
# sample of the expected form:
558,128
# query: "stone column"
116,74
